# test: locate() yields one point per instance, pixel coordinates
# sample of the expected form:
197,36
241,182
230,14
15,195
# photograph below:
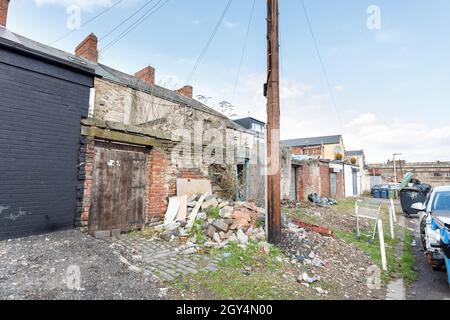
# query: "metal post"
273,124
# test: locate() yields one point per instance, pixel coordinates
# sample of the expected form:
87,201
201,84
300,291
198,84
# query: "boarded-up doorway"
120,187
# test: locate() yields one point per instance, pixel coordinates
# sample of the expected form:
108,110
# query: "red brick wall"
3,12
311,178
88,182
297,151
191,173
311,151
157,190
325,180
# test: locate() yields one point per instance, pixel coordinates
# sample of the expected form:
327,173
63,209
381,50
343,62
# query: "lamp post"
395,168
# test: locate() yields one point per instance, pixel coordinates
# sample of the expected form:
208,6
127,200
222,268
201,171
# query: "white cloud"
229,24
416,141
83,4
306,112
363,119
339,88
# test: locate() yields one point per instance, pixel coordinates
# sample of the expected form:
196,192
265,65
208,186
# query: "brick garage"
161,172
313,176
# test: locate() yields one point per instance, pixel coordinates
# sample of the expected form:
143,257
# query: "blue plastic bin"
376,193
385,193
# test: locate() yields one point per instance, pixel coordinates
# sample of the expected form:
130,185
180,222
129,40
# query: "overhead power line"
125,20
208,43
244,48
133,26
325,73
88,21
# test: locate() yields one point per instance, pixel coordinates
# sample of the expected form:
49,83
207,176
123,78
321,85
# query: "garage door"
120,188
39,145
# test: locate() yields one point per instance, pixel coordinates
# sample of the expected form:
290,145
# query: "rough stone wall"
117,103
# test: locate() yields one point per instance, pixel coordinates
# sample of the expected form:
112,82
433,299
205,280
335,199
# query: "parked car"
437,206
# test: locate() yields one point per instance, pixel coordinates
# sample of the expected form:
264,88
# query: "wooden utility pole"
272,92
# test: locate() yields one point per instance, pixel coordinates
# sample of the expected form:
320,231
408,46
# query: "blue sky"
391,86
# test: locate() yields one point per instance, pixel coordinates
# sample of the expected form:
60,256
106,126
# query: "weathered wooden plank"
120,136
122,184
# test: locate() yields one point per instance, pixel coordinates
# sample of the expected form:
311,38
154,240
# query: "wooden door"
120,188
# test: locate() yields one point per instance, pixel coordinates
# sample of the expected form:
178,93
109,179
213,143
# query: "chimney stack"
186,91
147,74
88,48
4,4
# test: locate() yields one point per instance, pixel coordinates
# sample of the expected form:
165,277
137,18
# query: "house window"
437,174
257,127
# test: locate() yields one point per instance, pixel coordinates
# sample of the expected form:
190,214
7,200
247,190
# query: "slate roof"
314,141
111,74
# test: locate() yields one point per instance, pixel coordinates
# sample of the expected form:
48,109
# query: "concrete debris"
226,212
202,216
319,255
219,224
222,221
242,237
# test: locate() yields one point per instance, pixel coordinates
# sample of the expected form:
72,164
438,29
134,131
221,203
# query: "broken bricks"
236,222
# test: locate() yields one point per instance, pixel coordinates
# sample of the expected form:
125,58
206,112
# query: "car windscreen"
441,201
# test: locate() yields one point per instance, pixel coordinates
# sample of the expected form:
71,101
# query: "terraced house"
131,140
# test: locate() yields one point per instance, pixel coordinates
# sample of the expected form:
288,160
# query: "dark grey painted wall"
41,105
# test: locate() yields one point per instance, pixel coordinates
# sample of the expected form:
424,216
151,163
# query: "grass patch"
298,213
213,213
408,261
145,233
345,206
198,231
372,248
242,274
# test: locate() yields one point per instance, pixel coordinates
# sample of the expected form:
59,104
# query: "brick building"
137,139
434,173
324,148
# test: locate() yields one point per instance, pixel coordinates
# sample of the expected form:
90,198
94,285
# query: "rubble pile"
330,218
328,260
217,223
